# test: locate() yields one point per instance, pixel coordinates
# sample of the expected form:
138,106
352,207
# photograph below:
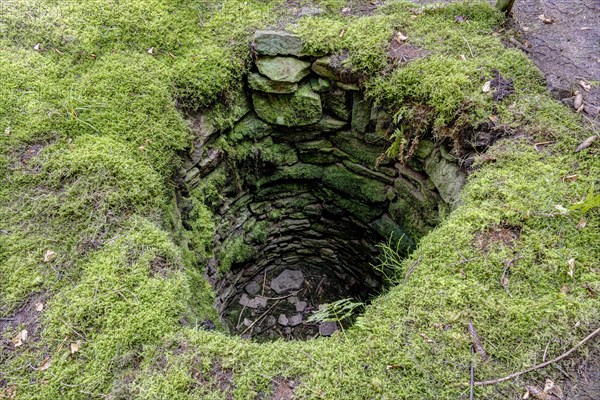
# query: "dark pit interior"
301,195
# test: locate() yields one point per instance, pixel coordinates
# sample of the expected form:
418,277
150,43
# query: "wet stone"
287,280
301,306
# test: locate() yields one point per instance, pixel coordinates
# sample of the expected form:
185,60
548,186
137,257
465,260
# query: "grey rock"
361,113
283,320
287,280
252,288
255,302
301,306
247,322
295,319
446,176
283,69
260,83
327,328
270,321
292,300
299,109
273,43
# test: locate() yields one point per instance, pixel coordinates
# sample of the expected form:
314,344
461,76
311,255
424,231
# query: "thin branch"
542,365
261,317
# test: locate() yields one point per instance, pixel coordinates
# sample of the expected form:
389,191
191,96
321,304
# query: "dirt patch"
504,235
283,390
218,379
502,87
400,52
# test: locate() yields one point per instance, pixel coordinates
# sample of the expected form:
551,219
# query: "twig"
260,318
468,45
464,261
477,343
542,365
237,326
412,269
309,356
518,44
471,386
283,297
546,351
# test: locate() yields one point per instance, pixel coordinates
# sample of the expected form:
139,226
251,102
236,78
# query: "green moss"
234,251
352,185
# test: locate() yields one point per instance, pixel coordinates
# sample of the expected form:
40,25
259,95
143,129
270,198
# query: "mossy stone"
356,186
447,177
361,113
258,82
335,101
273,43
283,69
357,148
250,127
298,171
317,152
320,85
299,109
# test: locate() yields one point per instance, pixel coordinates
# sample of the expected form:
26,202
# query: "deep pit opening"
301,193
302,252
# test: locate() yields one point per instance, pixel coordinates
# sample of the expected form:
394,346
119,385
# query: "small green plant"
390,260
337,311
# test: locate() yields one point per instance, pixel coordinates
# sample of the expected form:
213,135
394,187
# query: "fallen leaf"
75,347
571,178
20,338
493,118
463,58
586,143
37,47
151,50
552,389
564,289
426,338
342,32
586,86
571,264
46,362
561,210
487,87
546,20
49,256
39,306
400,37
578,101
504,282
582,223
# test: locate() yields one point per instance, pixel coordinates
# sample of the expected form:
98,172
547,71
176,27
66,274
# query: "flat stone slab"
262,84
301,306
299,109
287,280
252,288
255,302
283,69
273,43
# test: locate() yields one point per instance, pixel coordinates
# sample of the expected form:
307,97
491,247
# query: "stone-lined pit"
304,193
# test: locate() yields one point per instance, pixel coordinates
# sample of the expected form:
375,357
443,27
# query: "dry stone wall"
307,186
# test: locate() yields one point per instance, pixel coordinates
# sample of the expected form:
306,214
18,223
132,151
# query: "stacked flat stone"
330,194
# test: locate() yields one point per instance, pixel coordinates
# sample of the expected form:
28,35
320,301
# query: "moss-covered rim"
84,221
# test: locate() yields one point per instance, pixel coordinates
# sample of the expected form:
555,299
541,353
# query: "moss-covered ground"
94,257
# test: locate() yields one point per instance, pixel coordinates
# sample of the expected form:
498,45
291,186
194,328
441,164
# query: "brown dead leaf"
342,32
49,256
582,223
586,143
46,362
546,20
571,178
426,338
493,118
400,37
586,86
20,338
504,281
75,347
8,393
564,289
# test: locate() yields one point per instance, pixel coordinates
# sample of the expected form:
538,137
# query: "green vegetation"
90,130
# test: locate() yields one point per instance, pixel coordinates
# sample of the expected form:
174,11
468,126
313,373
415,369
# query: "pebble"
292,300
252,288
283,320
578,101
327,328
301,306
295,320
247,322
270,320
